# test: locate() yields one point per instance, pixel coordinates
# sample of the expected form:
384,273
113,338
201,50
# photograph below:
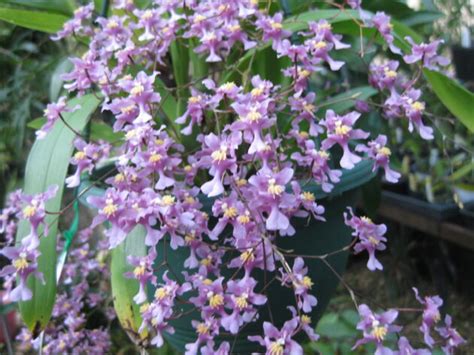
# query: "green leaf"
100,130
422,17
56,84
300,21
65,7
47,165
124,289
347,99
457,99
34,20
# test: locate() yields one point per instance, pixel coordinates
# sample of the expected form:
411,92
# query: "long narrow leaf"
34,20
123,289
458,100
47,165
65,7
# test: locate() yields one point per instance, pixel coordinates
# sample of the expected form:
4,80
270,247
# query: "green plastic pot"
315,238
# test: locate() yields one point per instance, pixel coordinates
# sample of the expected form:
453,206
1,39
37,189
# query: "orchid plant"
195,125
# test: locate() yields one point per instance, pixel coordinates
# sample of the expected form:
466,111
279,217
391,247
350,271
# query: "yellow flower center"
131,134
207,282
247,256
373,241
323,154
244,218
390,73
274,189
256,92
161,293
119,177
241,301
21,263
253,115
366,219
195,99
202,328
230,85
189,199
342,129
139,271
215,300
112,24
155,158
189,238
144,307
29,211
320,45
325,26
199,18
137,89
235,28
385,151
308,196
241,182
276,347
276,25
168,200
80,155
219,155
230,212
188,168
303,134
147,15
110,208
305,319
207,261
309,107
305,73
379,333
418,106
307,282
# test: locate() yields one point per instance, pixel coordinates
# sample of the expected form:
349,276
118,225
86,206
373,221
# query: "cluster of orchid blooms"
256,173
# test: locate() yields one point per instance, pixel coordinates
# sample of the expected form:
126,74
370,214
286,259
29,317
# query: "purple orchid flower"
451,335
24,263
426,53
302,284
53,113
197,103
279,341
218,154
242,302
414,112
381,21
405,348
75,26
142,94
384,76
431,315
371,237
339,131
87,155
272,28
318,160
375,328
380,154
34,211
143,272
272,196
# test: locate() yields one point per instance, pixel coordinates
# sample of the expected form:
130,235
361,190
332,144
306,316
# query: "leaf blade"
34,20
47,165
457,99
